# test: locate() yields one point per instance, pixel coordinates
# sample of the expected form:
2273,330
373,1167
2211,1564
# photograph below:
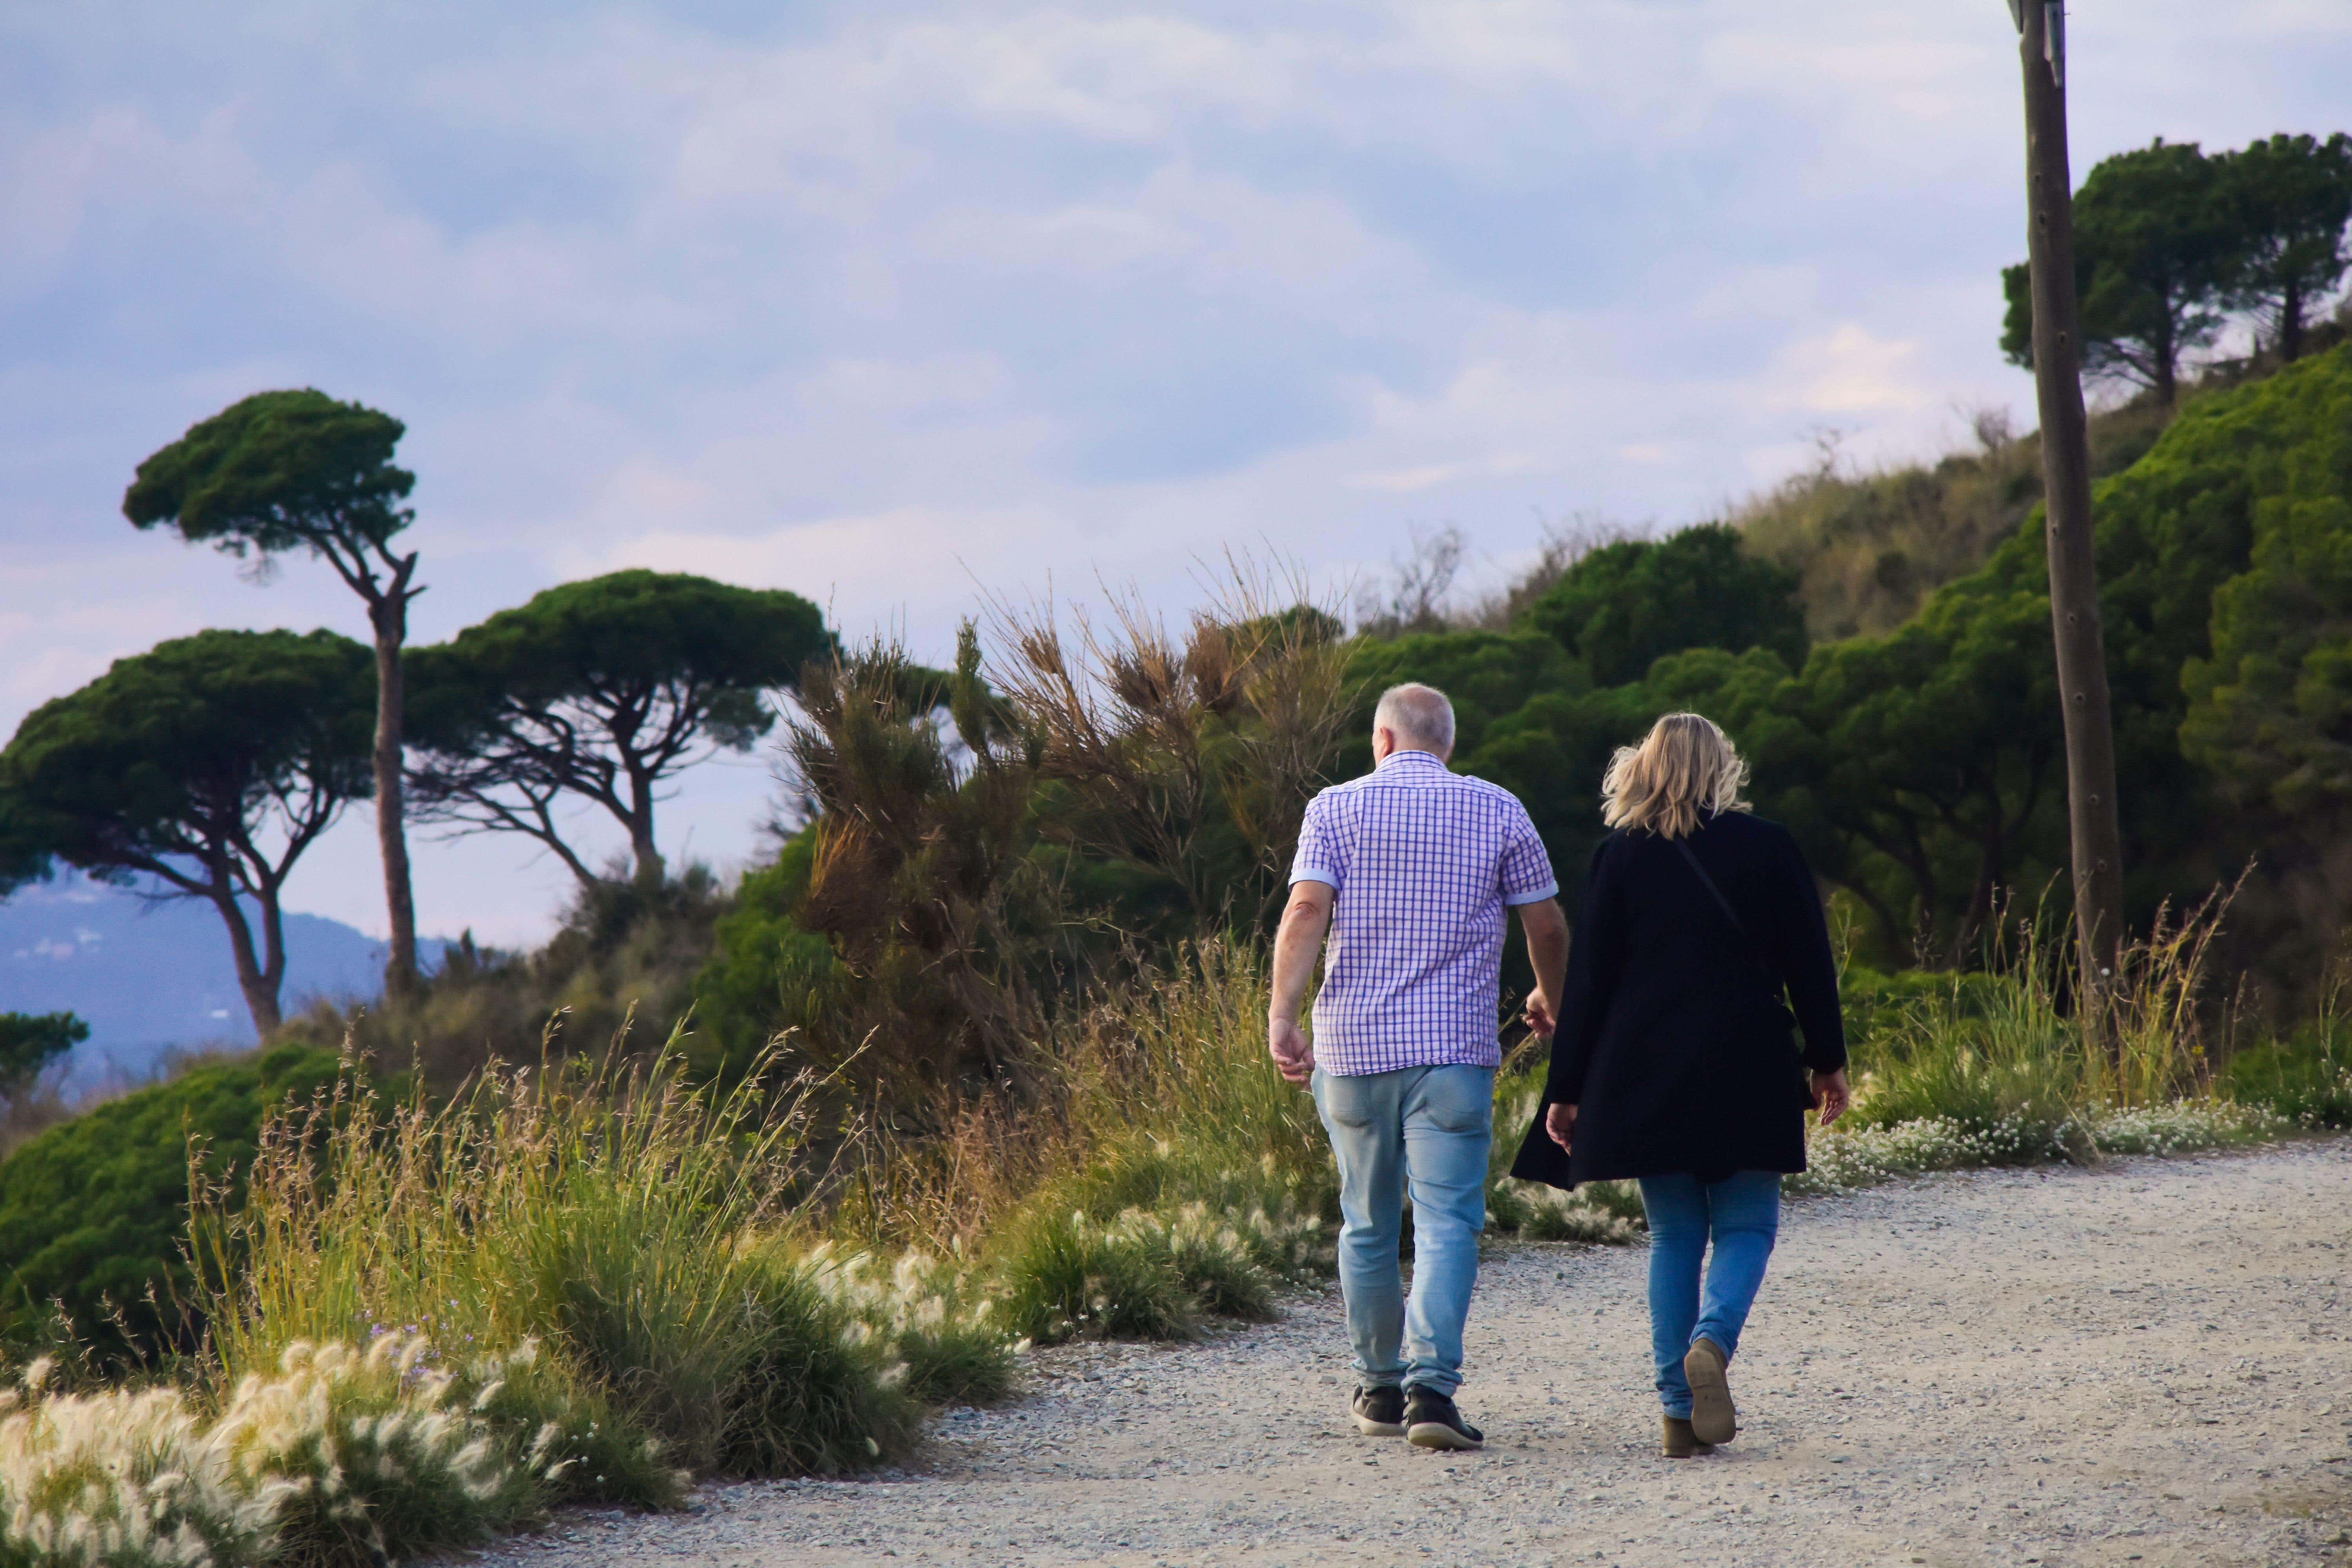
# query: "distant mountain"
151,977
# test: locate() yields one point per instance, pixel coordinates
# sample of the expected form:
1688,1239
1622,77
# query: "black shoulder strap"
1771,987
1713,891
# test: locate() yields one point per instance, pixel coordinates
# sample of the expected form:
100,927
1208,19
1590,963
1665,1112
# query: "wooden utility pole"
2066,482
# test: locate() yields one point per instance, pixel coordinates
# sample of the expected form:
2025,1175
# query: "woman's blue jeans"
1425,1129
1742,1214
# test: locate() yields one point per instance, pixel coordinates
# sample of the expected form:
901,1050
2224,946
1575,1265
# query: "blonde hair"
1684,766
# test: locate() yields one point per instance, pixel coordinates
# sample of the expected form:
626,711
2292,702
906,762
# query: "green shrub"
340,1457
1148,1242
1064,1276
956,1362
596,1210
765,971
938,1320
2305,1078
619,971
2001,1053
1171,1175
1532,1212
1878,999
385,1460
1212,1258
93,1211
2010,1064
1629,602
594,1453
811,1391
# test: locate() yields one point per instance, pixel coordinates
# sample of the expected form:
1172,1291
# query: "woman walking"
1673,1060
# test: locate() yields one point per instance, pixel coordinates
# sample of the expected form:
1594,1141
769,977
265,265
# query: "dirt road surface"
2147,1363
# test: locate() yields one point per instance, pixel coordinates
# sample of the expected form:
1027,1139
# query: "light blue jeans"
1742,1213
1425,1129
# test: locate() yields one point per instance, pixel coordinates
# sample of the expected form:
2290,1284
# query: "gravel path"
2148,1362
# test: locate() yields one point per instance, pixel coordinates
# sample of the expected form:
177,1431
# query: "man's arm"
1545,927
1547,930
1297,945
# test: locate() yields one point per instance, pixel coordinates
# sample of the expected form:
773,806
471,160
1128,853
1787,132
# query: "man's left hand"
1293,1053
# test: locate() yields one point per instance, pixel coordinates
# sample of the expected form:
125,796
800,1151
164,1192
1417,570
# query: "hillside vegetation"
929,935
1868,547
978,1060
742,1181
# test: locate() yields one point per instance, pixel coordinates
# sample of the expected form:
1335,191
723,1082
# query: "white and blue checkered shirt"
1422,860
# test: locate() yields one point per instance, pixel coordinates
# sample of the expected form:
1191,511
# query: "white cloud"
1850,371
1496,44
885,303
1309,253
870,566
69,178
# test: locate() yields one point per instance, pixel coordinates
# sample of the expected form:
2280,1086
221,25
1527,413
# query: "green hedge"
93,1212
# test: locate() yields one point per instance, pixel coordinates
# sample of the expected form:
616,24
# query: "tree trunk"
389,617
260,986
2096,828
650,866
2162,348
641,830
1991,862
2290,343
1887,925
273,942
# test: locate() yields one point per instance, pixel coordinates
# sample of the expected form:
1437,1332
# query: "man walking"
1409,869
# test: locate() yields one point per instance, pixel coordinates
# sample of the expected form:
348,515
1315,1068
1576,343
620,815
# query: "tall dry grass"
2304,1076
596,1209
1167,1075
1157,1171
2002,1055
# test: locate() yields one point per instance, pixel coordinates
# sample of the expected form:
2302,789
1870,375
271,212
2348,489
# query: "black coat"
1672,1044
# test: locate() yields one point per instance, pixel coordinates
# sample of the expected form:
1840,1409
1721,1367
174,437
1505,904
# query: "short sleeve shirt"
1422,861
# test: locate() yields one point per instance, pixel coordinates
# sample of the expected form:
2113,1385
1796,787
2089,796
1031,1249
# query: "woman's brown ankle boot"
1713,1417
1678,1443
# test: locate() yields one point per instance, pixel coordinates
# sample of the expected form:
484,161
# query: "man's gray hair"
1420,715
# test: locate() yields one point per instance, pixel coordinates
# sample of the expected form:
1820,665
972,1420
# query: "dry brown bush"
1194,757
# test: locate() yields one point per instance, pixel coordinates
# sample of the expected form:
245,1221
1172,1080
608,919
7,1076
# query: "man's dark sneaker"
1379,1411
1432,1422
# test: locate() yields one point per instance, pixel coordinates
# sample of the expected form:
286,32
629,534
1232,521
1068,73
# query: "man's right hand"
1293,1053
1559,1124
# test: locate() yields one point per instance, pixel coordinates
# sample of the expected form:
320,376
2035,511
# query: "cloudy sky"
886,302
